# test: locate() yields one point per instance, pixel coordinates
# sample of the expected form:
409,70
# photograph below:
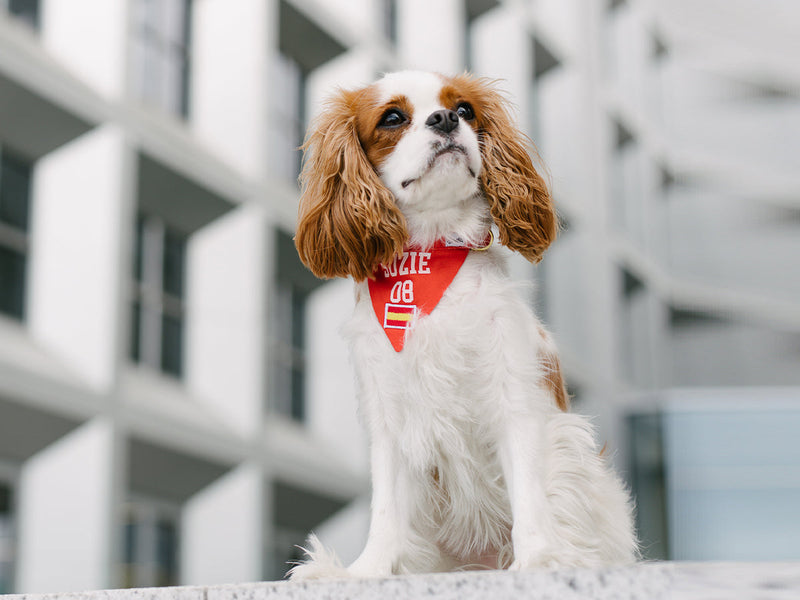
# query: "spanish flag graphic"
398,316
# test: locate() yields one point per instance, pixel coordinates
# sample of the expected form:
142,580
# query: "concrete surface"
650,581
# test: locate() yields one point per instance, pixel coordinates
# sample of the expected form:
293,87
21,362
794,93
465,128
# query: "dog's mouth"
439,151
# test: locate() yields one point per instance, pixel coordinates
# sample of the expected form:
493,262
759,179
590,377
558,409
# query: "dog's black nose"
442,120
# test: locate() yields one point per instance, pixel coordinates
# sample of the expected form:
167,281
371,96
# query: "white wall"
89,37
332,406
65,519
221,530
77,233
226,312
431,35
230,91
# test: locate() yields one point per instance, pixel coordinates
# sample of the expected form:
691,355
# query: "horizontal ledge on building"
645,581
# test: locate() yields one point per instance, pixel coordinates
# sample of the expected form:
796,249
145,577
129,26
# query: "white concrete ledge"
652,581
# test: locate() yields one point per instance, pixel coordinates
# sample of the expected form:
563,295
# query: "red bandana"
412,285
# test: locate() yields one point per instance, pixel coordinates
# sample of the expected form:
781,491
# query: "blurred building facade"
175,400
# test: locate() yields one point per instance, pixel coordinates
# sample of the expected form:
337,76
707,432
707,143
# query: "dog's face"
414,143
421,134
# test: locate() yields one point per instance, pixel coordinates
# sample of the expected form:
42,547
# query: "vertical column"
222,530
79,229
66,513
431,34
90,38
225,359
499,36
229,88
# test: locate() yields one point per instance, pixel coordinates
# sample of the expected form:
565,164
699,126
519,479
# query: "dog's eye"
464,110
392,118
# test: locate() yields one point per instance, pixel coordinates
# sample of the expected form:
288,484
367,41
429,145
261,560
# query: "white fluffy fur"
472,462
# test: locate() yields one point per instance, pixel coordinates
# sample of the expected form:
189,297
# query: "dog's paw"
320,564
369,566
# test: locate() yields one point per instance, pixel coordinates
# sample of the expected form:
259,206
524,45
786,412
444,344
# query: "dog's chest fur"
439,403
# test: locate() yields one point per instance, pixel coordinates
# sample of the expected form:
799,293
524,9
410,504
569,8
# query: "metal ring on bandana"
487,246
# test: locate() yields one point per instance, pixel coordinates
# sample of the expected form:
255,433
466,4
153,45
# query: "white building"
175,402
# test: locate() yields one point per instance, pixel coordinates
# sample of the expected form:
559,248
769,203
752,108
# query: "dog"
475,459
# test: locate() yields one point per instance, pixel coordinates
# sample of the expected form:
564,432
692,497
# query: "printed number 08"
403,291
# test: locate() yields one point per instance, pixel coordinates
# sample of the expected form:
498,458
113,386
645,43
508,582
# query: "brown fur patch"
348,222
518,197
554,379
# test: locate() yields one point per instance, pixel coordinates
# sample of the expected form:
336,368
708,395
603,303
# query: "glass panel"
298,394
166,553
15,181
130,535
174,261
27,10
6,539
160,53
287,128
281,388
172,345
173,28
136,332
145,14
138,250
298,319
12,282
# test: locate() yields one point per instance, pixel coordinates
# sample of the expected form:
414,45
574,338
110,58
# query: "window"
544,64
161,48
7,535
15,182
26,11
289,103
303,46
390,20
473,10
290,350
294,285
648,483
151,540
158,296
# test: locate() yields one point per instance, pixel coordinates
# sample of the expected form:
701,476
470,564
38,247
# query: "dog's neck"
467,220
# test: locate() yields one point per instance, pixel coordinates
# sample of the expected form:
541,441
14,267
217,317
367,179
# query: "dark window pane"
27,10
298,394
172,345
129,557
15,181
174,259
5,500
138,249
298,319
12,282
166,553
136,332
6,539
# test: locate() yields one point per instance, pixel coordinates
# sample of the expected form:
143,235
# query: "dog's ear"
348,221
518,197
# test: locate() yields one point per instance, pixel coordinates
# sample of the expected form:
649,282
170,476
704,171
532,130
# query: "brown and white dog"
475,459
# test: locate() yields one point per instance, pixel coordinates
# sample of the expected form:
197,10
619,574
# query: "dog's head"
409,146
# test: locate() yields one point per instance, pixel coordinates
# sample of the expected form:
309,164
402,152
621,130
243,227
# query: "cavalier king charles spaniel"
475,460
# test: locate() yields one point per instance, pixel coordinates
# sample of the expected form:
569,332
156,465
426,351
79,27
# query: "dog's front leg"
523,462
392,505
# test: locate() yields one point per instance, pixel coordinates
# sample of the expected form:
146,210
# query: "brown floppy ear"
518,197
348,222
